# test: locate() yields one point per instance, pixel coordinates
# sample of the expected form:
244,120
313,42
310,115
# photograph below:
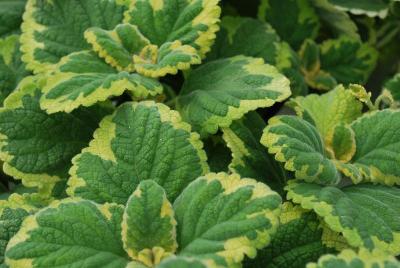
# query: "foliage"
200,133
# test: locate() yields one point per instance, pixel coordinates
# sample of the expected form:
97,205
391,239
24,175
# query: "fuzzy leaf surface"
366,214
140,141
37,147
210,98
224,217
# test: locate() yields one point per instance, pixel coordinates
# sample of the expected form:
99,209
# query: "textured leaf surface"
250,157
301,21
192,22
127,49
225,215
118,45
11,16
328,110
371,8
84,79
297,241
76,233
367,215
349,259
12,69
140,141
348,60
378,146
37,147
255,38
168,59
54,29
148,225
298,144
12,212
221,91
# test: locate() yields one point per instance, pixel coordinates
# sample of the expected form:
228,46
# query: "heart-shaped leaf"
78,232
140,141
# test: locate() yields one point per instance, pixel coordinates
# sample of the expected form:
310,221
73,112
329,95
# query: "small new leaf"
148,225
297,143
328,110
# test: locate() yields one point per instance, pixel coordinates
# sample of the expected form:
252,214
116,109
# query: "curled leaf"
297,143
